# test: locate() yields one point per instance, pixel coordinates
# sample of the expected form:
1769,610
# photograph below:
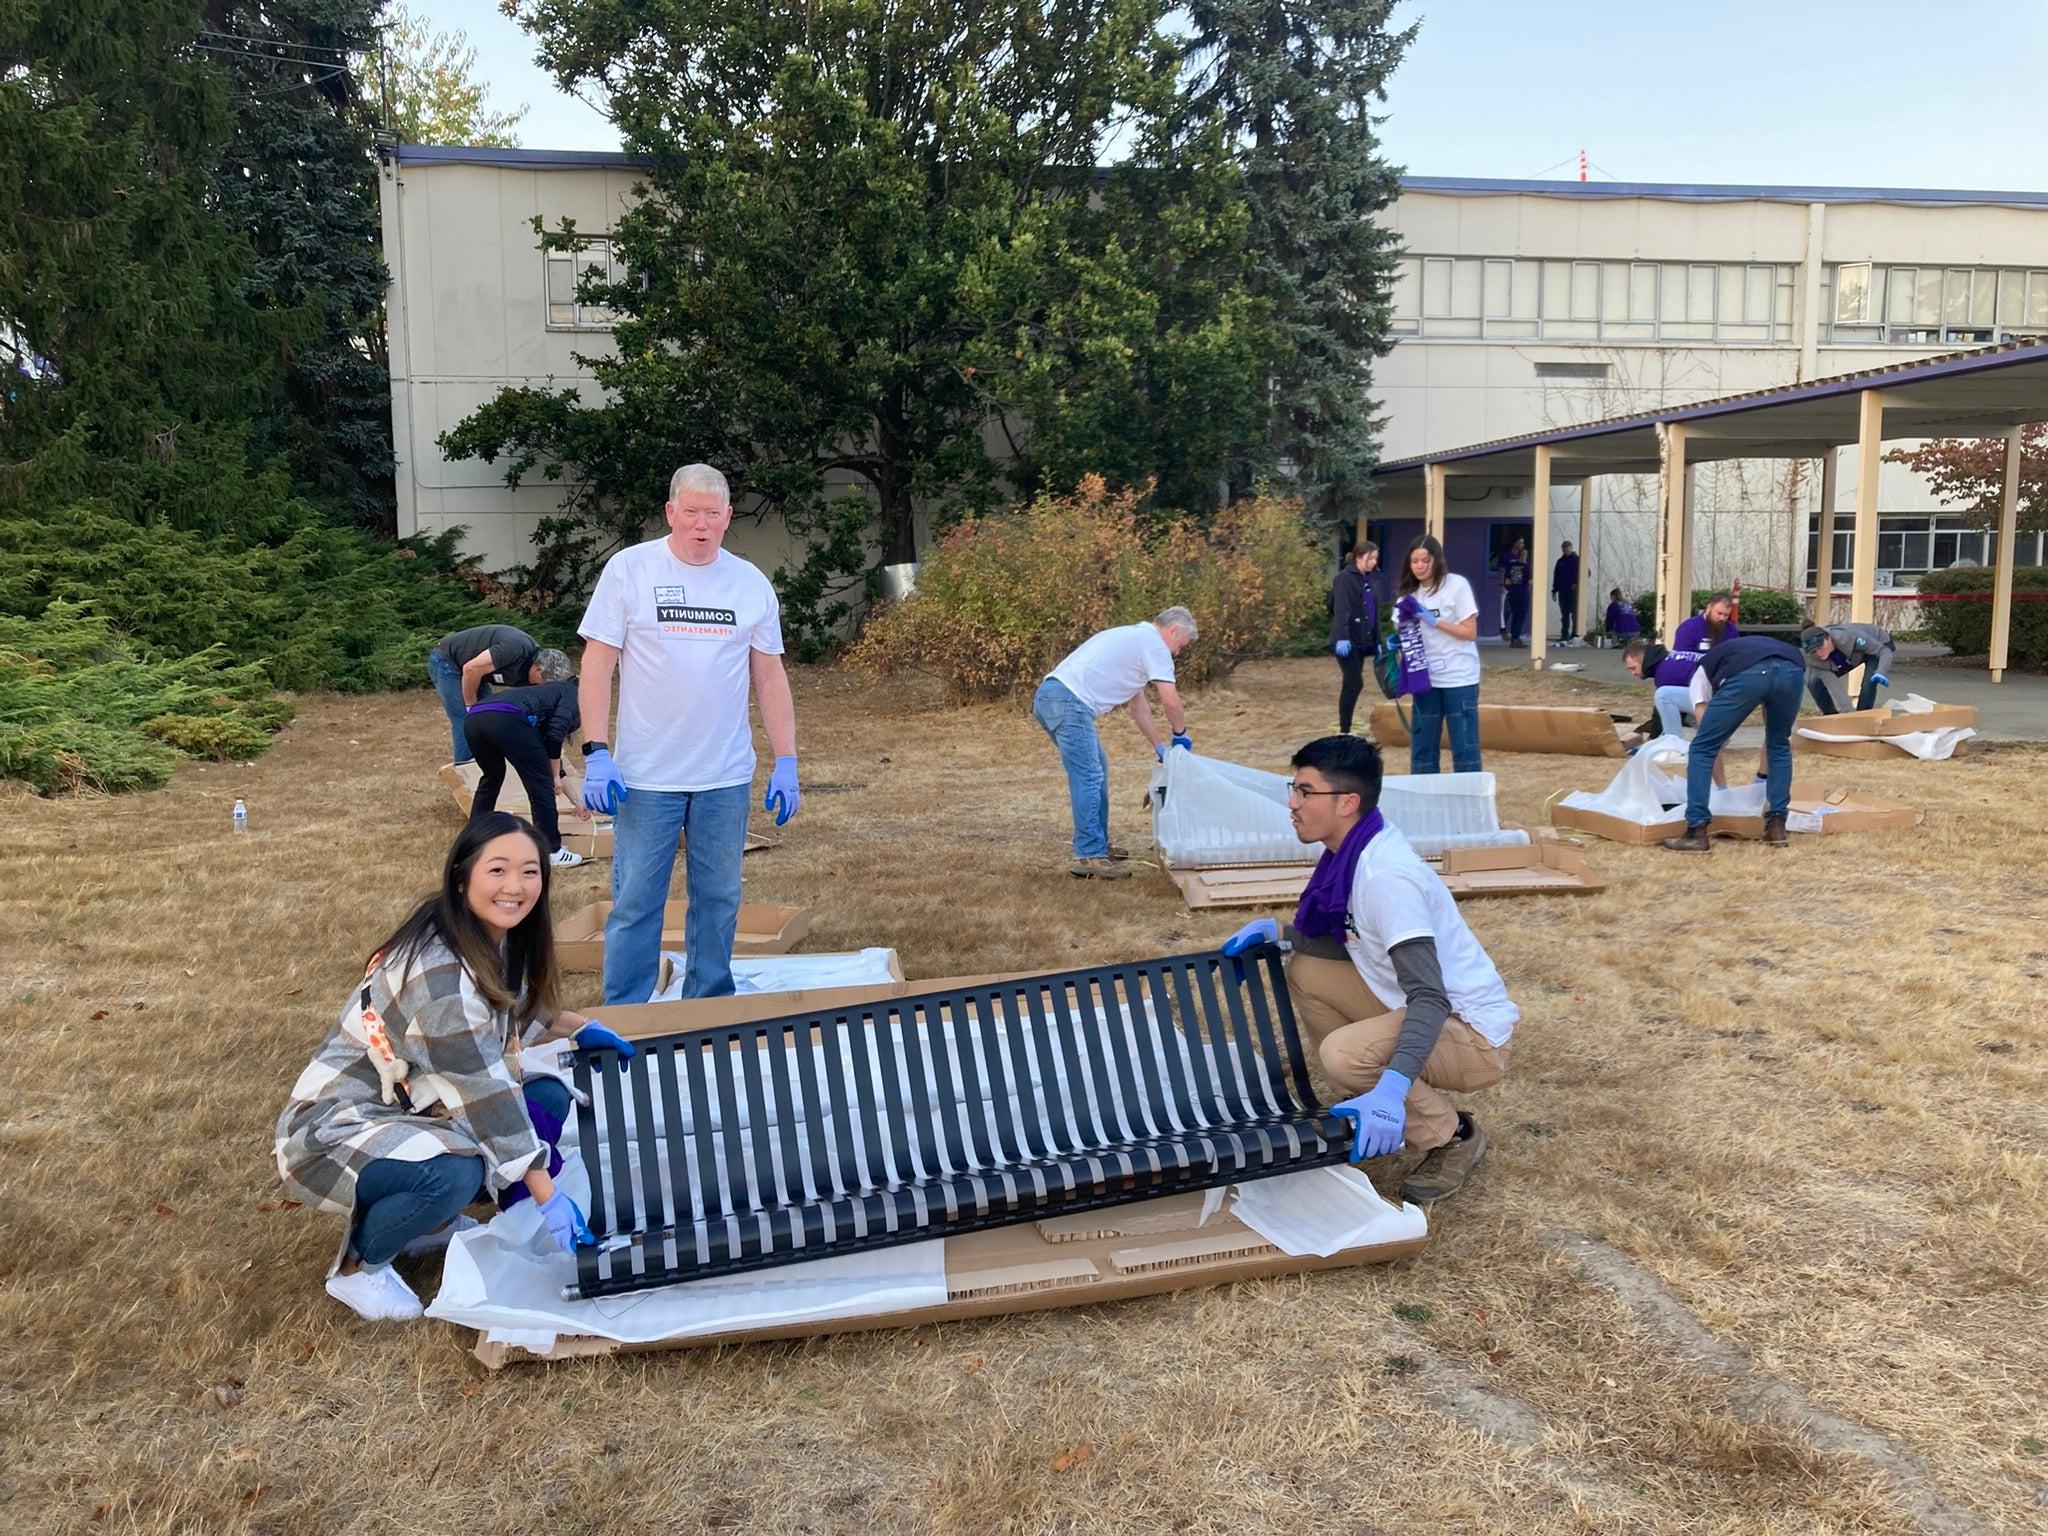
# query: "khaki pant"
1354,1037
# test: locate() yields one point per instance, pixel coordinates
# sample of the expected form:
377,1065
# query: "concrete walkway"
2014,710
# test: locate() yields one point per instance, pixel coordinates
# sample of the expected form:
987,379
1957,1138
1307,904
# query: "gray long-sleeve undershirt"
1422,983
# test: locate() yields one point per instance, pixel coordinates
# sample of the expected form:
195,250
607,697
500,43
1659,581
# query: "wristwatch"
596,746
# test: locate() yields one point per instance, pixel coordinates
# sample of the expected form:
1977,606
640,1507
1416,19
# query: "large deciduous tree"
1971,471
422,86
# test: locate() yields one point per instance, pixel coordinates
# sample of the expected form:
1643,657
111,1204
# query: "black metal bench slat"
968,1126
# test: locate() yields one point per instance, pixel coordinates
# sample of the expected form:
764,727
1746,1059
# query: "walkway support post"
1433,501
1863,557
2001,582
1673,512
1539,562
1824,561
1585,554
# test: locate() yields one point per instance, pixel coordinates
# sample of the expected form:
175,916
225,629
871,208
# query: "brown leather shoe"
1098,869
1442,1173
1774,832
1118,853
1692,840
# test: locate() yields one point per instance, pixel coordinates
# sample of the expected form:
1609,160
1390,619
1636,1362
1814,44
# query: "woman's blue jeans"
1441,710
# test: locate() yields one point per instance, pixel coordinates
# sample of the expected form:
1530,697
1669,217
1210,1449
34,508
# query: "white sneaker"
377,1295
434,1242
563,858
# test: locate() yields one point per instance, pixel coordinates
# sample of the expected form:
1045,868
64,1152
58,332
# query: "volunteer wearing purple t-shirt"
1673,674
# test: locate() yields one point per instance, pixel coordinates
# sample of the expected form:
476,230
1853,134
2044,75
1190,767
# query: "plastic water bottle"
241,817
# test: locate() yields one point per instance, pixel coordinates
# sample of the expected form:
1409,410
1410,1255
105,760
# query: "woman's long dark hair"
523,980
1439,568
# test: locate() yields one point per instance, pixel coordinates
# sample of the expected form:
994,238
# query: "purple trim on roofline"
490,154
1819,389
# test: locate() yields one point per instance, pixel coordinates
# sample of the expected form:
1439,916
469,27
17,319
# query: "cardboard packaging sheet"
1565,730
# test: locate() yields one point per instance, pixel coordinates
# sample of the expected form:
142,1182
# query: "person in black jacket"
1746,674
525,728
1354,626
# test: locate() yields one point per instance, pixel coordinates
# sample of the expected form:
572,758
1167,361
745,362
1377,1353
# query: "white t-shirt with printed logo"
688,634
1452,663
1396,897
1110,668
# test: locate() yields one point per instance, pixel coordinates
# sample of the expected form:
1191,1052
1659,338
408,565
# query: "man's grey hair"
698,477
1179,618
554,666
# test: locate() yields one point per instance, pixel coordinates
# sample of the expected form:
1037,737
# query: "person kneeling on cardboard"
1385,976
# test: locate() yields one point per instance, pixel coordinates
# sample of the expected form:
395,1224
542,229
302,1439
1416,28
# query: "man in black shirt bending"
1748,673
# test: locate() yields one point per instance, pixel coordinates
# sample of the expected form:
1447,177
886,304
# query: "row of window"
1932,306
565,270
1913,546
1635,301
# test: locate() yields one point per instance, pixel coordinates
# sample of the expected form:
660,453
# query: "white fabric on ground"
1207,812
1323,1210
1650,788
791,973
1928,746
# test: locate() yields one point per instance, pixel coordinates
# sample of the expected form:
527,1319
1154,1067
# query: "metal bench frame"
1226,1101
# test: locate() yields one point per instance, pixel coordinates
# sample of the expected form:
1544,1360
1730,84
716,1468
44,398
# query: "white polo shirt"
1111,667
688,634
1396,897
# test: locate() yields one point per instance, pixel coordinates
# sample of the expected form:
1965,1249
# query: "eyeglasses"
1303,792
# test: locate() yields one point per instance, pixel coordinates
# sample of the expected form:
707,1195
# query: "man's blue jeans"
1672,704
1774,685
447,680
1072,729
1455,709
644,833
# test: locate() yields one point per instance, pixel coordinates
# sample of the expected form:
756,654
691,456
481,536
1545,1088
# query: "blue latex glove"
1880,679
1344,648
783,796
595,1037
565,1223
604,790
1426,615
1183,739
1260,930
1377,1117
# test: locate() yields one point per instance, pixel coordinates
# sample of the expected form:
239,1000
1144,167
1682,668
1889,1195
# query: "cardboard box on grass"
1141,1249
1849,810
1565,730
592,839
1884,721
763,930
1544,866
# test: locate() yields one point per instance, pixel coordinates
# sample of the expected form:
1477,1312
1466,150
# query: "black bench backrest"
793,1138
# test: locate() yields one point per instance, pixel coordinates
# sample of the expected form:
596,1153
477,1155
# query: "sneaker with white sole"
563,858
376,1295
440,1237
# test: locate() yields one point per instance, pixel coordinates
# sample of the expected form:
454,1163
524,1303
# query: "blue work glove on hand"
1182,739
603,788
1377,1118
1344,648
1880,679
1261,930
565,1223
595,1037
783,797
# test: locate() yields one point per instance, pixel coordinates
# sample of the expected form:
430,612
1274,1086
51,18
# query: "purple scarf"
1414,658
1328,897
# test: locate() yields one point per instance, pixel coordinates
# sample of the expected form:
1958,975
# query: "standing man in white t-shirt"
690,630
1385,976
1105,671
1440,602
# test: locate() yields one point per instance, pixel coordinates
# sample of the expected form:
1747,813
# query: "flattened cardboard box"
1867,723
763,930
1562,730
1849,810
592,839
1143,1249
1544,866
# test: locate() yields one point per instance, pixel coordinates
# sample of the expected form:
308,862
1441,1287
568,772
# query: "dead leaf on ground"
472,1389
1066,1461
99,1014
251,1495
165,1210
228,1393
1498,1356
968,1368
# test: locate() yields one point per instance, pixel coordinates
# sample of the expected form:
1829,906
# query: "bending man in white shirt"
691,631
1105,671
1385,977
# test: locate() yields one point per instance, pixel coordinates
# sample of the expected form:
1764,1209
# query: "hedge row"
1760,605
1965,627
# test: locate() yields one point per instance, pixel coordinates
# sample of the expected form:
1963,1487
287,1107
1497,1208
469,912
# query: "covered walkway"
1985,392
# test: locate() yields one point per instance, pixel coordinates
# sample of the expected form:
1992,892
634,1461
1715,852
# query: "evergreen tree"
1294,83
298,176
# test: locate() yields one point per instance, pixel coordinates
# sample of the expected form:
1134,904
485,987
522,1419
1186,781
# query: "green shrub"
1965,627
1760,605
1003,598
82,707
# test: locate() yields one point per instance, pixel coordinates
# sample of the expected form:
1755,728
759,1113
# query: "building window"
565,271
1502,298
1911,546
1916,306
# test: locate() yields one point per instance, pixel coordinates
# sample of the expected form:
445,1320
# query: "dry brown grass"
1804,1091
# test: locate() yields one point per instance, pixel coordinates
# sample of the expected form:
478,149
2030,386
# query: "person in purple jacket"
1621,620
1514,586
1672,670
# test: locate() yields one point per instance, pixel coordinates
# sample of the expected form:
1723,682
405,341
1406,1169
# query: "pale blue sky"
1898,93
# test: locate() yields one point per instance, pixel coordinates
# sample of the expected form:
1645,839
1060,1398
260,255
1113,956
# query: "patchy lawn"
1763,1245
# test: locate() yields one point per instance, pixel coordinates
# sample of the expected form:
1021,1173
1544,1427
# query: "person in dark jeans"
524,729
1354,627
1746,674
1564,583
1514,584
465,666
1833,651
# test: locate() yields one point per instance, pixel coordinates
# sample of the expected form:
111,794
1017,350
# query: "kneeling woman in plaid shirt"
414,1105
